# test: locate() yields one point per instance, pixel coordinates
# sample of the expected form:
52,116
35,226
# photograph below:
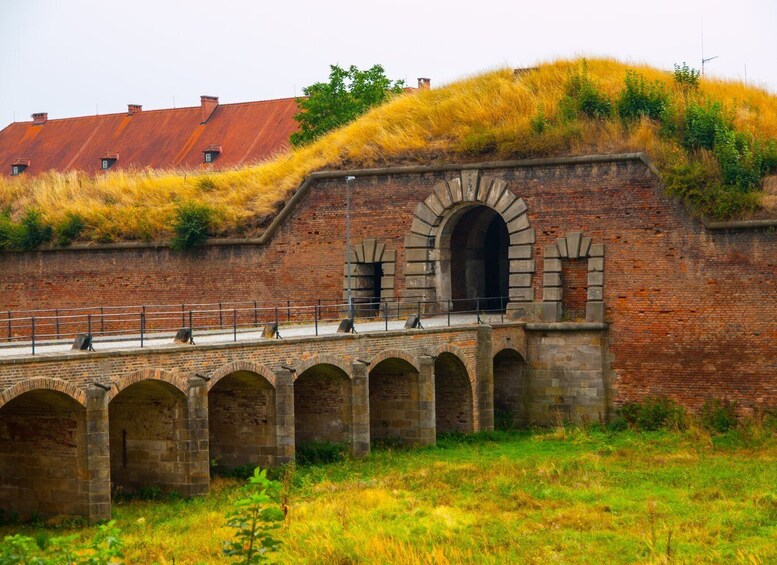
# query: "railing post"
450,306
221,318
385,312
418,311
102,320
477,305
191,327
183,315
288,310
256,316
89,325
33,335
56,317
315,316
142,325
9,325
234,324
276,318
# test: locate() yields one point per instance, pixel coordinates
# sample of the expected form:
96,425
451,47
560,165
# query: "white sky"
73,57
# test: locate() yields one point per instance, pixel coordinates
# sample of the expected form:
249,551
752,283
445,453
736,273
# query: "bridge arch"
43,450
148,424
43,383
242,421
511,390
174,379
394,398
323,406
237,366
454,393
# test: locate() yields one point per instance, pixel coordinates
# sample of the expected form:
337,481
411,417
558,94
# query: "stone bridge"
77,428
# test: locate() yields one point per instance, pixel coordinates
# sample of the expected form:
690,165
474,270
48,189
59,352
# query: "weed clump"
719,415
653,413
321,452
192,225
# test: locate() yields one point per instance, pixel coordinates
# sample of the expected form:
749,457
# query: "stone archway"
429,274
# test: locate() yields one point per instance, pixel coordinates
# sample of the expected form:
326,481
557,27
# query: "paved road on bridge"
165,339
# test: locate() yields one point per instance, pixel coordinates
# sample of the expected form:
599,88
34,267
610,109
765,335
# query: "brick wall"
690,310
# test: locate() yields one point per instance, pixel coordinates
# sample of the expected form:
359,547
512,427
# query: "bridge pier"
485,378
360,407
197,481
427,416
284,417
98,455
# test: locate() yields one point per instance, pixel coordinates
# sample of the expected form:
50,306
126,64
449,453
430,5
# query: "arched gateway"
470,246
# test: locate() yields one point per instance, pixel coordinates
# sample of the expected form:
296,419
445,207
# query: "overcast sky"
77,57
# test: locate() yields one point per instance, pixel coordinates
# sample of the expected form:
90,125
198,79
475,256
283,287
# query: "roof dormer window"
107,160
18,166
211,153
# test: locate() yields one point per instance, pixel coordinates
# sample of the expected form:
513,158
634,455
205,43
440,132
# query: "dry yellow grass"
484,116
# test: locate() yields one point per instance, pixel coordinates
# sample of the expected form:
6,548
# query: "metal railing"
138,326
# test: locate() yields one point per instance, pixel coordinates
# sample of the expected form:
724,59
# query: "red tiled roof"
173,138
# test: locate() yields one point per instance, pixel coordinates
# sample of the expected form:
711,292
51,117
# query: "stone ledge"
566,326
739,225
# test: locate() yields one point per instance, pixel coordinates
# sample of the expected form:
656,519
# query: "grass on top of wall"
491,116
564,495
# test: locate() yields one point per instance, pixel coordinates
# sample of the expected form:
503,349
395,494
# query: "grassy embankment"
560,496
491,116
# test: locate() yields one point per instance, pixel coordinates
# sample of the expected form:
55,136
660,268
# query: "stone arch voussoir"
395,354
177,380
235,366
322,359
43,383
448,196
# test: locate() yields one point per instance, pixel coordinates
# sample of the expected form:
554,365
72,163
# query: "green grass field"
566,496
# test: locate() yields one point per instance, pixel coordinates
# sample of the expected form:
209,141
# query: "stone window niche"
373,268
563,253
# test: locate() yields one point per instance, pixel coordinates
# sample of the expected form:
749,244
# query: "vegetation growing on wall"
712,142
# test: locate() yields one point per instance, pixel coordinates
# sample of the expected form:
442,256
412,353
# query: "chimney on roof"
39,118
134,109
208,105
424,83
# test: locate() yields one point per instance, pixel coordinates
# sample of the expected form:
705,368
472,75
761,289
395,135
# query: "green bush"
104,548
770,157
192,225
642,99
25,235
539,123
719,415
740,160
320,452
653,413
703,123
69,229
686,77
583,97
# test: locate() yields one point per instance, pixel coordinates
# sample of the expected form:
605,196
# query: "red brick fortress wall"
692,312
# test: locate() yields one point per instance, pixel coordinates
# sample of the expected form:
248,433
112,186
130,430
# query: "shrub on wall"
192,225
642,99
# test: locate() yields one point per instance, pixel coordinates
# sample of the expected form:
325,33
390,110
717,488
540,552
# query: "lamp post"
348,181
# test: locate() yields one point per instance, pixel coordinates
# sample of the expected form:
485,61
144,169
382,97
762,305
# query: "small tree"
348,94
192,224
254,517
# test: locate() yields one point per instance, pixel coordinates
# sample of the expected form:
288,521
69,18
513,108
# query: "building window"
209,157
15,170
106,164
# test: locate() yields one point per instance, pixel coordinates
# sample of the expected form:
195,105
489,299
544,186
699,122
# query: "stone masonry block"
484,187
551,251
573,244
596,264
418,281
518,224
597,250
416,255
454,185
415,240
424,268
522,266
551,311
434,204
469,184
443,194
519,252
594,311
561,243
387,282
551,279
521,280
369,250
420,227
497,188
517,208
595,293
504,202
552,266
428,216
379,249
391,268
522,294
595,278
389,256
523,237
585,246
551,294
